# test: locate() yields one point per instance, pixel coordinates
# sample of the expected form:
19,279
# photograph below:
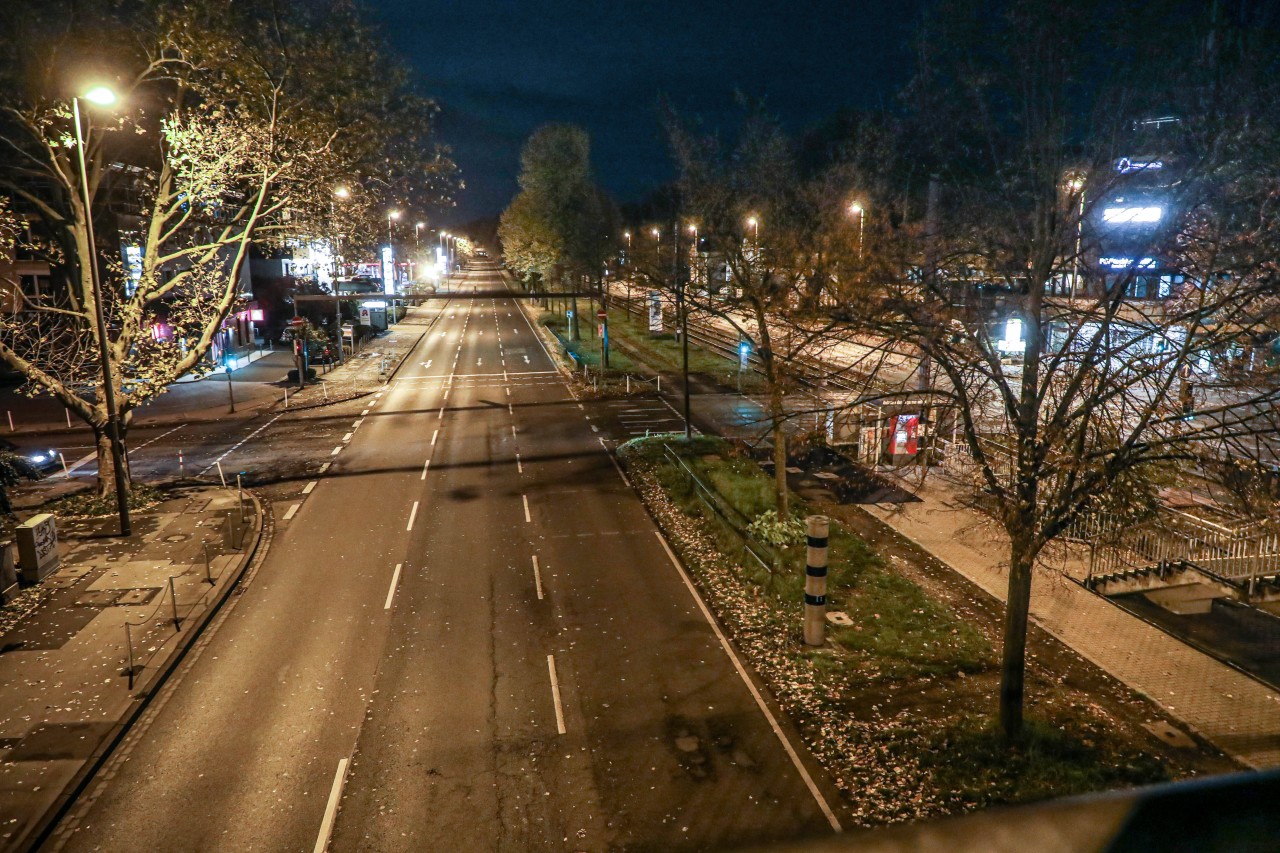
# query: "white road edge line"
527,518
391,593
413,513
293,510
537,577
555,693
764,708
331,808
614,460
425,466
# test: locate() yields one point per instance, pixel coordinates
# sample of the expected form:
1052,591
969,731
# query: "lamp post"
102,96
859,211
341,193
389,265
1076,184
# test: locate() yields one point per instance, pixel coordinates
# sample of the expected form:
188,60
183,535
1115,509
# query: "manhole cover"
178,537
135,597
1169,734
98,598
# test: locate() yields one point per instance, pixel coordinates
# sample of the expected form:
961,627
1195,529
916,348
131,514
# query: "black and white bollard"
815,581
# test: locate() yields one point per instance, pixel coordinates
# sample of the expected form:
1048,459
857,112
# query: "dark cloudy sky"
501,68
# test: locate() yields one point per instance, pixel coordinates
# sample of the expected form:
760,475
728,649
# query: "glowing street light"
103,97
342,192
859,211
100,95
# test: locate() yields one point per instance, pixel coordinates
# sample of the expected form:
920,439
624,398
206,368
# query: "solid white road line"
537,577
310,487
434,435
413,513
555,693
614,460
391,593
764,708
527,517
293,510
425,466
331,808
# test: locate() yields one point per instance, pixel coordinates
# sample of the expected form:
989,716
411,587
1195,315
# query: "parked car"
43,460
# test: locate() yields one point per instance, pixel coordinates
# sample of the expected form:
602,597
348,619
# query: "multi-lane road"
467,634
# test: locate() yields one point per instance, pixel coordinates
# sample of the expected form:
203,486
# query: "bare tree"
1094,267
238,120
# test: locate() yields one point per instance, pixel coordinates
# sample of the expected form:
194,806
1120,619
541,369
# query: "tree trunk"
106,464
1013,662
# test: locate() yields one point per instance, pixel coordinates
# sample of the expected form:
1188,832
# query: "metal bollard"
221,476
208,576
128,641
815,580
173,598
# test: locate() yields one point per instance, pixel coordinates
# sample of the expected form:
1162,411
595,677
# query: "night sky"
500,69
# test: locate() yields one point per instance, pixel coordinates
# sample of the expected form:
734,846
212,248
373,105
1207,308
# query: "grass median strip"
888,706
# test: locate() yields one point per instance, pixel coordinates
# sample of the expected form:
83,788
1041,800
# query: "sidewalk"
366,371
65,692
1238,714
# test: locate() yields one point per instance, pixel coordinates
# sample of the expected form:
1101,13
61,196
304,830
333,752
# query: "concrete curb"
43,827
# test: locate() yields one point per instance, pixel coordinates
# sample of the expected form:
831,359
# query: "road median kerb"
145,691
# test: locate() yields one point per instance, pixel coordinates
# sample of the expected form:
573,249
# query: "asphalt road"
467,635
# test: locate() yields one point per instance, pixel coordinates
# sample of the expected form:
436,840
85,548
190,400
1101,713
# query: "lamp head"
393,214
342,192
100,95
856,208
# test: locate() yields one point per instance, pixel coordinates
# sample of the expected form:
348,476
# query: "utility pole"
682,306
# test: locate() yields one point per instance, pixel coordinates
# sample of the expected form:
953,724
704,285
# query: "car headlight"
37,457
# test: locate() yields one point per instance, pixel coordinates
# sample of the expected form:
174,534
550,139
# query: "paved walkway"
1238,714
66,691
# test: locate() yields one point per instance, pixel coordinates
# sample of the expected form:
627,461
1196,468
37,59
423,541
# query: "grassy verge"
894,706
665,352
87,504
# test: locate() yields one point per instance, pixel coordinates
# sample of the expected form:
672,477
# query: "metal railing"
766,556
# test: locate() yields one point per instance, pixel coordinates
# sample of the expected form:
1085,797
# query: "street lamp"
417,230
104,97
1076,185
388,262
754,225
342,194
859,211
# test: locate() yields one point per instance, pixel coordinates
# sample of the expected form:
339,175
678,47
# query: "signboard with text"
655,312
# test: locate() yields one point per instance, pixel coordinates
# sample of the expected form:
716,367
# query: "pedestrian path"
77,667
1238,714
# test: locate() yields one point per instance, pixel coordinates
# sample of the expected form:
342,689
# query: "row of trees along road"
237,121
559,230
985,196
